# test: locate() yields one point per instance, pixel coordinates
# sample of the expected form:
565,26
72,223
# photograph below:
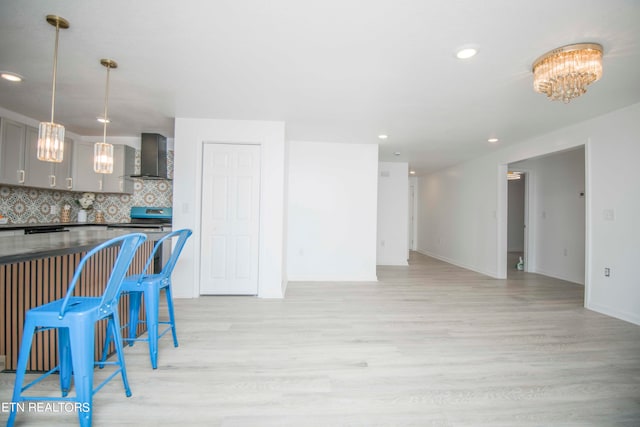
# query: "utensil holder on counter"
65,214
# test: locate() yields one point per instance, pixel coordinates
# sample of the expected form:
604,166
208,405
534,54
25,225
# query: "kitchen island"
36,269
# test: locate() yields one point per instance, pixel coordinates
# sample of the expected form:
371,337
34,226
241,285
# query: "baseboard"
611,312
556,276
333,278
492,274
396,263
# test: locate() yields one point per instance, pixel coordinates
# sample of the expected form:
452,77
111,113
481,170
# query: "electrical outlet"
607,272
53,209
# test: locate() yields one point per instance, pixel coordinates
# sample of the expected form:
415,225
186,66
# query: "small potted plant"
86,203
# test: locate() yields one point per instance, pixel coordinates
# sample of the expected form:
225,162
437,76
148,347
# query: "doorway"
230,219
516,221
555,215
412,227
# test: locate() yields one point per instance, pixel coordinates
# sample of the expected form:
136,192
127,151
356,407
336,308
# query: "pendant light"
50,134
103,152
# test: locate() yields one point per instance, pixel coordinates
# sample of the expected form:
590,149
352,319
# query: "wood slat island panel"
30,283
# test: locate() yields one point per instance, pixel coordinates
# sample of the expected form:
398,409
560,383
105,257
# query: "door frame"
502,208
529,244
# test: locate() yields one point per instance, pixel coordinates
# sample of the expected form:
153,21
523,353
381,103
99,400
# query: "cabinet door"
38,173
63,178
12,141
123,167
84,178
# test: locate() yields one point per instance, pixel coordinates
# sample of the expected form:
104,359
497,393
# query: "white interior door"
230,219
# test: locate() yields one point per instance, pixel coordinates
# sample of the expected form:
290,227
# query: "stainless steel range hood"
153,157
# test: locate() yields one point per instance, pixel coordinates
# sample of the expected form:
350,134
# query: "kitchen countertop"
7,227
34,246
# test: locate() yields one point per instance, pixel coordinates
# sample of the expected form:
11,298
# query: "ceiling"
333,70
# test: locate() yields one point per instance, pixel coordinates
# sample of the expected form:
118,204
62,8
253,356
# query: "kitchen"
144,204
28,205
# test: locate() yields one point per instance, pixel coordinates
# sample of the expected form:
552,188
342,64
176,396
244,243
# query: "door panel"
230,219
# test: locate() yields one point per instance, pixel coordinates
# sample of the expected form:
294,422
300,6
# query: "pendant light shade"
103,157
51,135
102,151
50,142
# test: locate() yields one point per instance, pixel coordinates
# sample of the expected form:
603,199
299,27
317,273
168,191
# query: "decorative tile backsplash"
23,205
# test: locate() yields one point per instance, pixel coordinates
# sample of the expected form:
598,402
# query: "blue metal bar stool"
74,318
150,286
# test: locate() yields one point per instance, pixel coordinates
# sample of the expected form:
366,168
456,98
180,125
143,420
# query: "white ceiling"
333,70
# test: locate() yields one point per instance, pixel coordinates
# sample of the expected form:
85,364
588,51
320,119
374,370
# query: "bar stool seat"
74,318
149,286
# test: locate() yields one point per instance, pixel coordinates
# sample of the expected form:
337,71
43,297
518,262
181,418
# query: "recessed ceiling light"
492,140
383,136
412,172
12,77
102,120
397,153
466,52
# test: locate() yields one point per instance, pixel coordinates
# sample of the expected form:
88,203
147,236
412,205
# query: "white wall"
190,134
462,213
557,232
393,213
332,210
457,216
613,210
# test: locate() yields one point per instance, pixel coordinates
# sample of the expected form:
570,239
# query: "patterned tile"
32,205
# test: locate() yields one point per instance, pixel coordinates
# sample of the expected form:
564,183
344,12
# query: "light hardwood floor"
427,345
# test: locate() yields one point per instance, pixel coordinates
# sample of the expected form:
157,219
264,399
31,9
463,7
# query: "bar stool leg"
21,369
117,337
107,343
151,302
81,337
134,312
167,292
64,357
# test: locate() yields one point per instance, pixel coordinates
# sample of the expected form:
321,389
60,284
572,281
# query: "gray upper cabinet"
19,164
12,152
62,172
85,179
37,172
120,181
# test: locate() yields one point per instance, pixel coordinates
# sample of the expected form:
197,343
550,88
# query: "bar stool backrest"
166,271
129,243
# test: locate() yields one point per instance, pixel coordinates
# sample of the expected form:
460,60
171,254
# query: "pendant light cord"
106,103
55,67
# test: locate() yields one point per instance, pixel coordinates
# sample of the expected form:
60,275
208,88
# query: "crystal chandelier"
511,176
51,135
565,73
102,151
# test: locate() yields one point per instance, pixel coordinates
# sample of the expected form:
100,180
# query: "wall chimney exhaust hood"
153,157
